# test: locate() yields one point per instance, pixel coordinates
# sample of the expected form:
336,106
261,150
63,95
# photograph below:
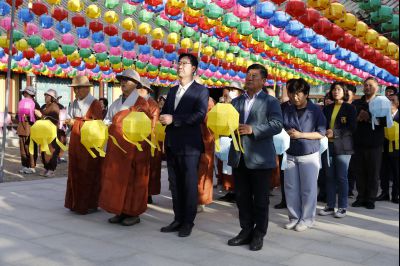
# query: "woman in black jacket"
341,123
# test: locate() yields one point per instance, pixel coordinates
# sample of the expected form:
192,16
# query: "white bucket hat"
235,85
52,93
146,84
30,90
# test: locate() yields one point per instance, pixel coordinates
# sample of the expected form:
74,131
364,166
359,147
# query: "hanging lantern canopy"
93,11
347,22
335,11
310,17
75,5
78,20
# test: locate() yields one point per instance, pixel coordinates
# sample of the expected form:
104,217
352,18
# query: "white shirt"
79,108
248,104
181,91
118,106
394,114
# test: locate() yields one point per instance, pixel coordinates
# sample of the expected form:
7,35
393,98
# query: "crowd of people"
124,181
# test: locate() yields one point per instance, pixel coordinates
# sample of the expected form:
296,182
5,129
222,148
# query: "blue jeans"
336,180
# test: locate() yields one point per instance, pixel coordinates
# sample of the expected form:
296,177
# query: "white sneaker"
200,208
300,227
291,225
22,171
326,211
340,213
50,173
30,171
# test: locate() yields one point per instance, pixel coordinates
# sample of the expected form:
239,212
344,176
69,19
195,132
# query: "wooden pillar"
101,89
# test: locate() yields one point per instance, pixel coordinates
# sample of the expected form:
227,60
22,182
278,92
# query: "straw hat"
129,74
53,94
146,84
235,85
80,81
30,90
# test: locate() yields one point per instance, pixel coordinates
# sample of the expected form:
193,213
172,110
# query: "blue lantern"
319,42
4,8
98,37
294,28
223,71
135,2
128,46
81,67
247,3
171,57
232,73
25,15
83,32
331,48
2,52
265,10
156,9
213,68
144,49
352,58
108,72
307,35
64,27
342,54
241,75
51,63
203,65
367,67
270,82
65,65
18,56
189,25
115,41
159,54
35,60
96,69
280,19
46,21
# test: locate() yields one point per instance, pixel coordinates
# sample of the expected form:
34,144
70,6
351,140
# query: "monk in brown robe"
124,181
155,155
206,164
83,184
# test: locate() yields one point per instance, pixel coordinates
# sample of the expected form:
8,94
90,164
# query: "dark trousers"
183,180
390,171
367,169
351,175
252,198
27,160
50,160
282,178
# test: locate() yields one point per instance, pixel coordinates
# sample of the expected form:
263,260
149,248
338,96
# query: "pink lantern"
82,73
8,120
144,58
348,68
241,11
4,59
298,44
322,56
218,75
100,47
84,43
208,73
23,62
332,59
116,51
200,71
340,64
286,38
48,34
165,63
163,15
155,61
5,23
129,54
67,38
310,50
53,68
26,107
224,3
257,22
31,29
271,30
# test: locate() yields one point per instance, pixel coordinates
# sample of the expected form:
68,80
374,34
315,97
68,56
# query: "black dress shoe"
229,197
149,200
370,205
395,200
173,227
243,238
383,197
281,205
358,203
185,230
129,221
117,219
256,243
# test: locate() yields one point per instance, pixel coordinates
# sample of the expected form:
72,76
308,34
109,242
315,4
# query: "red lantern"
90,65
296,8
29,53
46,57
172,11
322,26
183,51
13,50
310,17
206,59
203,24
111,30
376,58
191,20
18,3
76,63
226,65
128,36
259,48
235,68
61,60
78,20
367,52
157,44
335,33
215,61
357,47
169,48
346,41
59,14
220,33
234,38
95,26
278,2
153,2
39,8
104,68
141,40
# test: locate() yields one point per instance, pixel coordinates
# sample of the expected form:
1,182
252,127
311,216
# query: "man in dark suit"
183,112
260,119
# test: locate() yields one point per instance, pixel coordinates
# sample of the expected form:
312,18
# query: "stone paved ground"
35,229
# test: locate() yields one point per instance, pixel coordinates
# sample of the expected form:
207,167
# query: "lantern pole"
8,80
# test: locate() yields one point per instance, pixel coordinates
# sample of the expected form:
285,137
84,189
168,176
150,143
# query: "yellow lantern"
335,11
43,132
173,38
157,34
186,43
41,49
240,61
94,134
91,59
176,3
75,5
371,36
159,134
230,58
347,22
381,43
392,134
196,47
93,11
223,120
129,24
220,54
192,12
54,2
136,127
21,45
208,50
319,4
144,28
111,17
360,29
57,53
392,49
4,42
74,56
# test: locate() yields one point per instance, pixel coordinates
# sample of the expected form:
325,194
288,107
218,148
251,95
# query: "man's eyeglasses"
183,63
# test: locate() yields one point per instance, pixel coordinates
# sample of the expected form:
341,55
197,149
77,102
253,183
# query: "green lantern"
85,53
234,49
101,57
52,45
196,4
58,71
111,4
259,35
115,59
213,11
273,41
245,28
223,46
174,26
204,39
17,35
140,65
127,62
188,32
244,54
213,42
34,41
164,70
128,9
230,20
160,22
68,49
145,16
151,68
